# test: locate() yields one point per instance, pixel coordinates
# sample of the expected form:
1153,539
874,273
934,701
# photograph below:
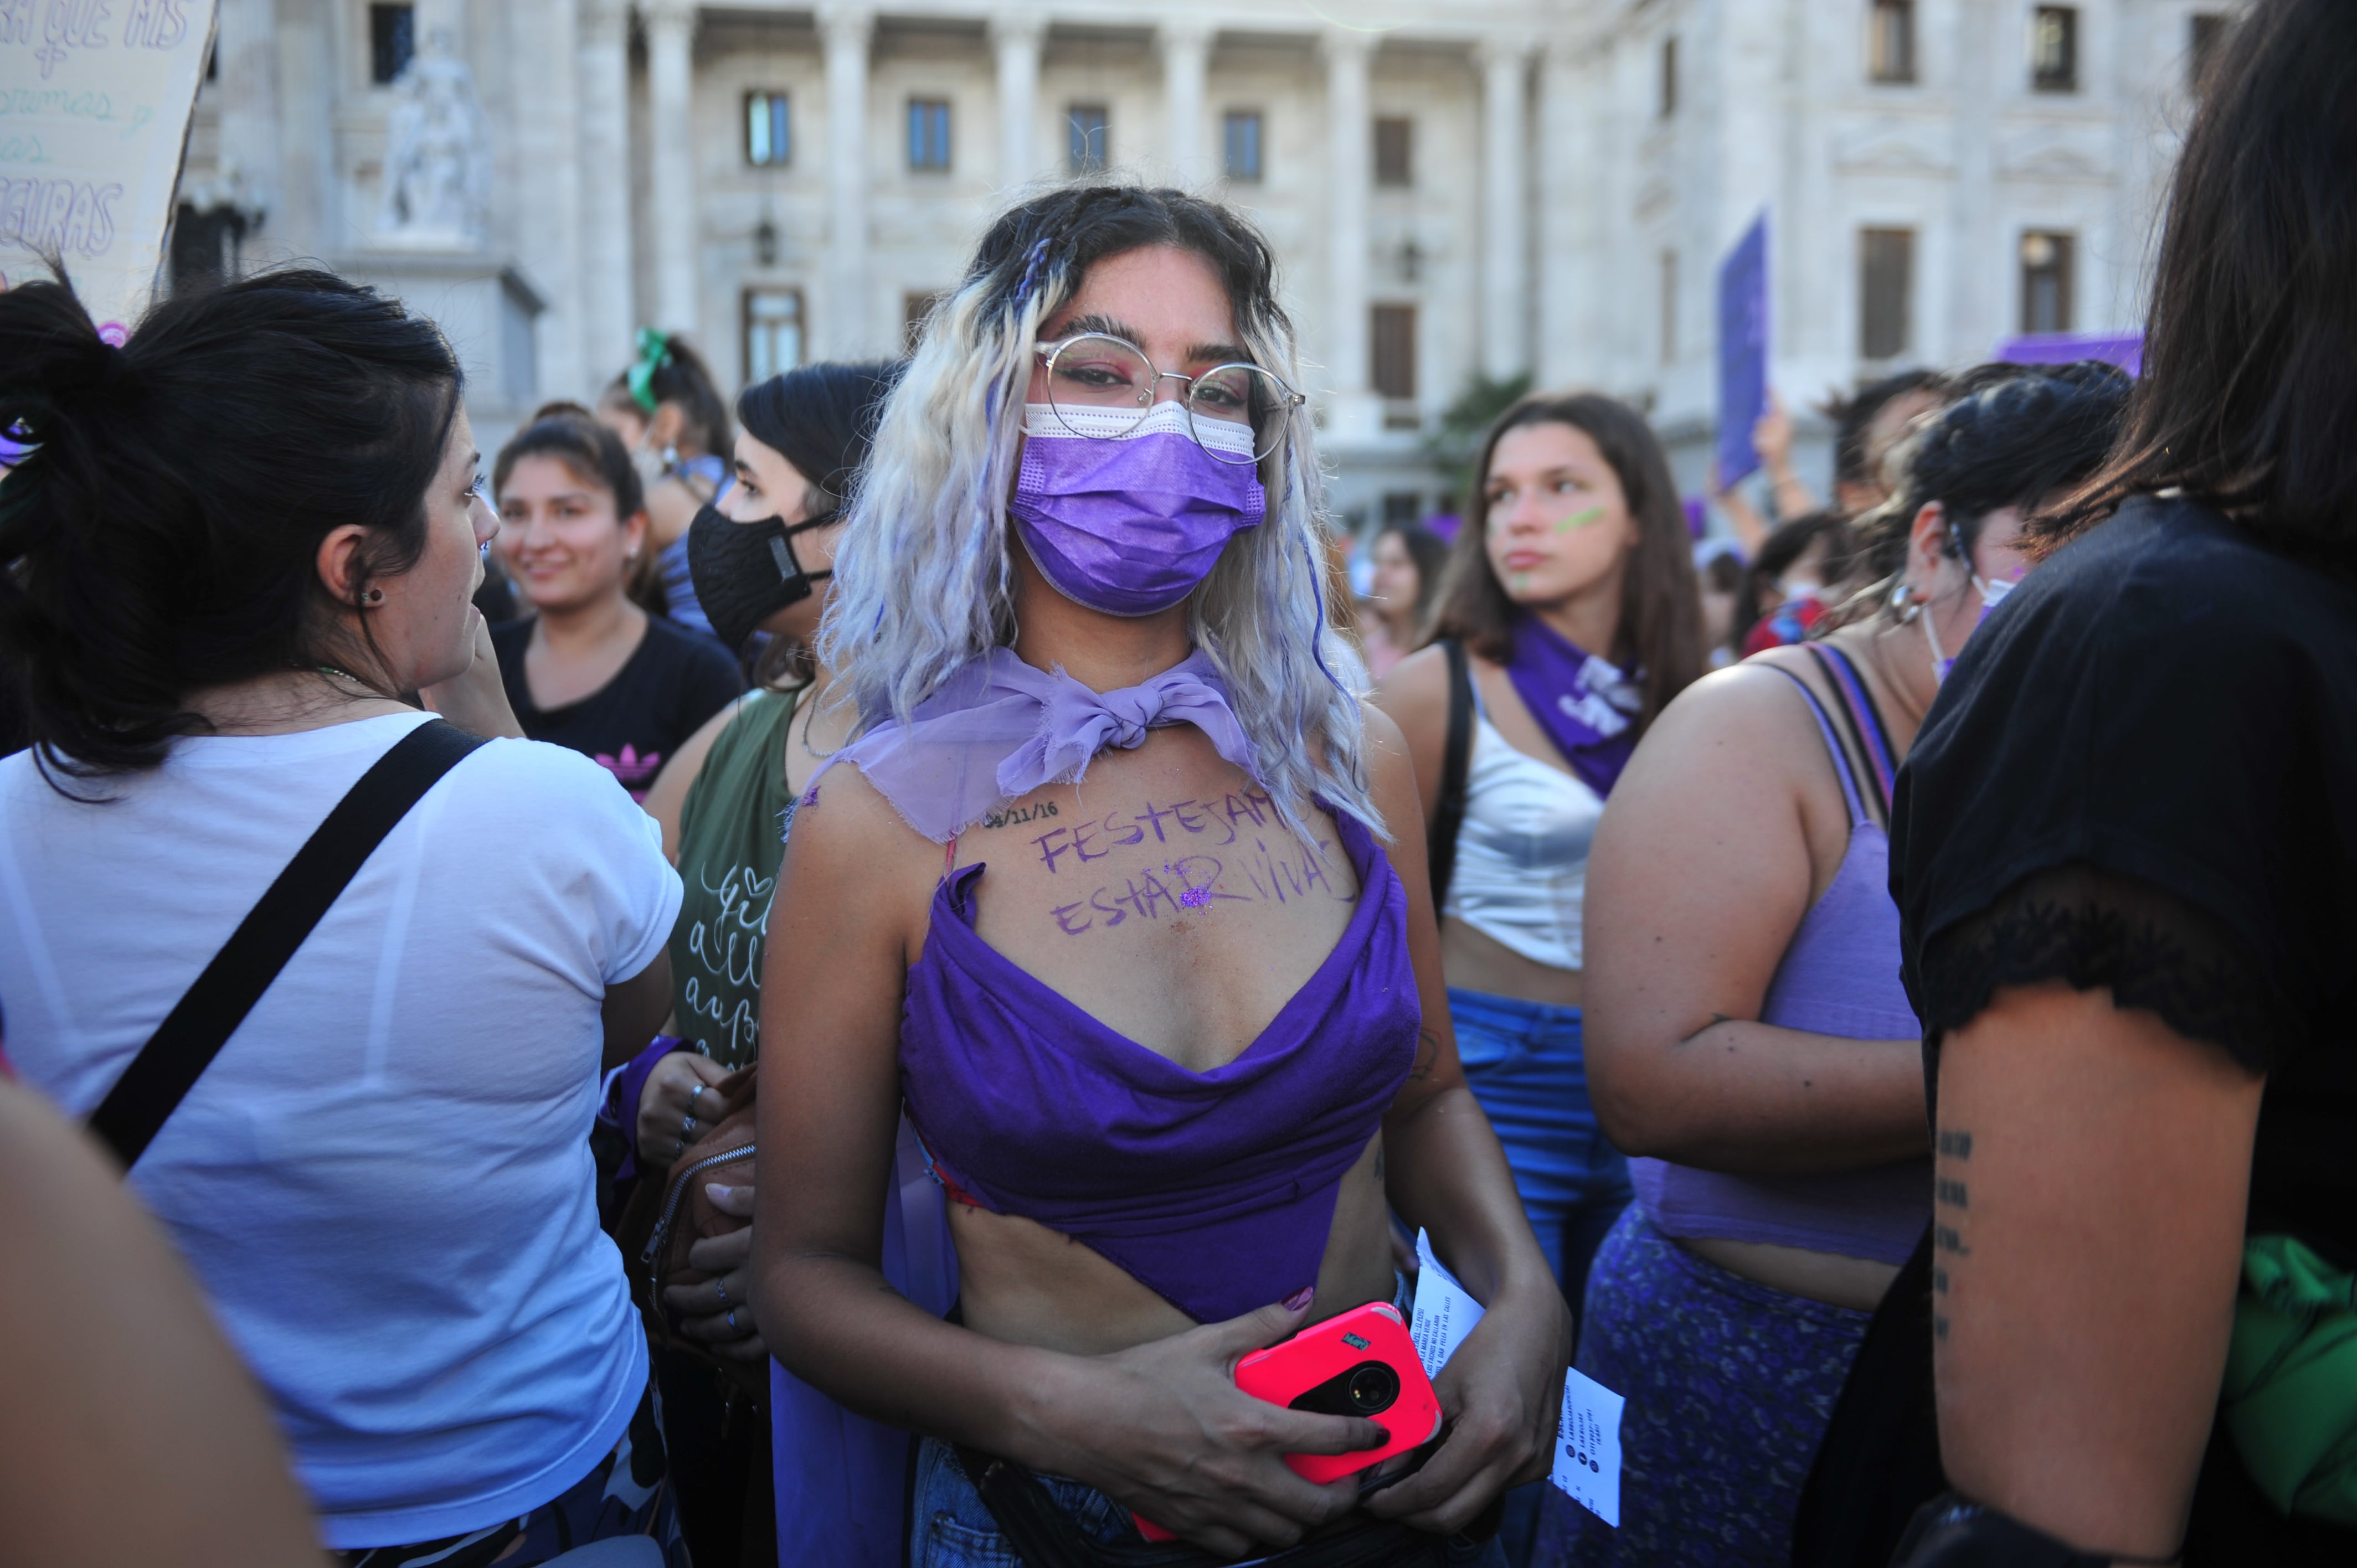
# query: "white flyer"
1445,1311
1588,1447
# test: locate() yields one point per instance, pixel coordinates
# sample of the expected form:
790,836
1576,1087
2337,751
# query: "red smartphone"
1359,1363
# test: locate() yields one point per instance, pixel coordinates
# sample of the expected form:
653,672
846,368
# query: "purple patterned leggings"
1729,1387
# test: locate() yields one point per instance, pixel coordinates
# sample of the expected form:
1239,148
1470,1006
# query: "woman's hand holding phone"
1163,1430
1500,1394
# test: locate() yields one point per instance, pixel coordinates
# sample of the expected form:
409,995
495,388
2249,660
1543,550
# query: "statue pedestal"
485,306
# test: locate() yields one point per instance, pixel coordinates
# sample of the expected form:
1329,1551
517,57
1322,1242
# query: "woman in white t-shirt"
237,536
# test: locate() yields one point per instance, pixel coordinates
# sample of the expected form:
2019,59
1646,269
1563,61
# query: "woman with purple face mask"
1749,1043
1113,923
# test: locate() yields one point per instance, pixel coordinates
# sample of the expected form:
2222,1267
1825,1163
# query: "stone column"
1351,413
1186,61
609,308
309,219
1016,36
1569,210
247,46
1505,195
671,136
846,307
546,194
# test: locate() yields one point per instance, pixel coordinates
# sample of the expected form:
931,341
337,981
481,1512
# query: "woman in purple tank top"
1114,921
1749,1044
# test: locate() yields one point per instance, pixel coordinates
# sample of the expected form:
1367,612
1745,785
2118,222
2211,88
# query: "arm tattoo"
1427,1054
1953,1144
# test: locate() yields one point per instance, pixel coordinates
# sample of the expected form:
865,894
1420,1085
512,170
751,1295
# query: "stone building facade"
1458,189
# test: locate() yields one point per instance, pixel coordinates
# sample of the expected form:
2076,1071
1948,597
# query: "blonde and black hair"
924,577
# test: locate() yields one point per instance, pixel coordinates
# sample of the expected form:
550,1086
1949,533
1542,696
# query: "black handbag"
1044,1536
200,1024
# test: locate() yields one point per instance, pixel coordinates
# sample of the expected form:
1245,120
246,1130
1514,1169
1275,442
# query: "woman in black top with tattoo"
2125,851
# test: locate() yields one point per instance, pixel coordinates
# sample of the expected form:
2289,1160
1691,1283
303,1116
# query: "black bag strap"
1456,758
185,1044
1880,1459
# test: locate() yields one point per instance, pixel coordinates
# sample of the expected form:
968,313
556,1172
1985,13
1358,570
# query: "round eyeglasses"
1103,387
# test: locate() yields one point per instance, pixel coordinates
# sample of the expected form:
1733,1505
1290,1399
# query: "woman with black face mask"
763,557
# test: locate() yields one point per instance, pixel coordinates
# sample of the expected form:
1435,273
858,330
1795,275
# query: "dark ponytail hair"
669,372
2249,393
2019,434
1661,604
162,537
820,418
590,451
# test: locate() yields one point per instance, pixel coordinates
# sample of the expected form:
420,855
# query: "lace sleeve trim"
2090,928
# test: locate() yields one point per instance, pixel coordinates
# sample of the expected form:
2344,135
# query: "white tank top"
1522,853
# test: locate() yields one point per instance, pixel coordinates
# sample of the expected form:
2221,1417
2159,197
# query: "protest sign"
95,97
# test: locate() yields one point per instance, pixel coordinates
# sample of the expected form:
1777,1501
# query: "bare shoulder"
1391,771
1742,726
667,797
1417,685
844,821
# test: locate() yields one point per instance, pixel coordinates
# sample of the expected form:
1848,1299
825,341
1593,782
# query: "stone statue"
437,170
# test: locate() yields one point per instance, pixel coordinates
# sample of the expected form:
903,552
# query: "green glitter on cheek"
1579,520
1519,581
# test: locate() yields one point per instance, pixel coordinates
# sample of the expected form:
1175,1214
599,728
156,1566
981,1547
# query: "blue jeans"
1524,1063
951,1526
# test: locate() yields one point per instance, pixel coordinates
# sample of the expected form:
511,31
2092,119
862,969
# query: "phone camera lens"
1373,1388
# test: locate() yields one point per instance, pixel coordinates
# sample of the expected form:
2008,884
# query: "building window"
1669,106
928,135
2046,281
392,39
1091,148
773,332
1395,150
1240,139
1891,40
1395,352
1886,290
2208,31
1669,306
2054,49
917,308
768,129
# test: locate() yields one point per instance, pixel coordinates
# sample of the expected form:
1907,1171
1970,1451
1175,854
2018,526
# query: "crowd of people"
1879,1012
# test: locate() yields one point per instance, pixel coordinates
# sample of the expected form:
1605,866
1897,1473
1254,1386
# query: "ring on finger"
732,1322
720,1289
687,1128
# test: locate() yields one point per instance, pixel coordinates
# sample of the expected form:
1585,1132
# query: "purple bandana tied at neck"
1586,705
998,729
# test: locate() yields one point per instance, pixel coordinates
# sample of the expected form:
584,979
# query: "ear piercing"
374,597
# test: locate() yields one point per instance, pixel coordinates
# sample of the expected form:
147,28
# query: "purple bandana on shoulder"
1586,705
998,729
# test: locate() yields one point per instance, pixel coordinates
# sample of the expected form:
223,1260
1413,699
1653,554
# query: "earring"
374,597
1905,602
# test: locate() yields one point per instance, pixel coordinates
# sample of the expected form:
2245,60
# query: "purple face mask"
1129,526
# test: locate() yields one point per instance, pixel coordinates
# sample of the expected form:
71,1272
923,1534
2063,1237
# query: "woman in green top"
763,559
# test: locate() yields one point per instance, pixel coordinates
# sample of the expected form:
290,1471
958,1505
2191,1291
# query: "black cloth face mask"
745,572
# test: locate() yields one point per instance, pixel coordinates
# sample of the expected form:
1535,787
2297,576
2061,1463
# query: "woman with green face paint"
1568,617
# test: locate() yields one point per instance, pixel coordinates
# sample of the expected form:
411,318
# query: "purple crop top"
1216,1189
1839,976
